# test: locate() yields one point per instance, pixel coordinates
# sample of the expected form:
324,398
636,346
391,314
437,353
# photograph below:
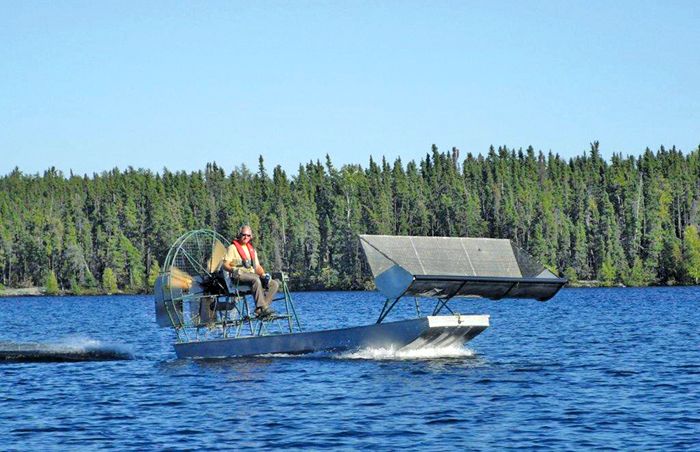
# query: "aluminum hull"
432,331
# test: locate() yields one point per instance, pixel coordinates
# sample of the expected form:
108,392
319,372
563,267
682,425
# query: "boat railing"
224,311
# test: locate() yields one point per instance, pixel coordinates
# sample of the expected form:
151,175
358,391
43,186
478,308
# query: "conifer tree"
109,281
691,252
51,283
626,219
153,274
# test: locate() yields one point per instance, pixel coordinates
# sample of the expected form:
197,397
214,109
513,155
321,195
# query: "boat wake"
424,353
381,354
66,350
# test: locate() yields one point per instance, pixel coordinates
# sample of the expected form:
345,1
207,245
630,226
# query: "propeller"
180,279
218,252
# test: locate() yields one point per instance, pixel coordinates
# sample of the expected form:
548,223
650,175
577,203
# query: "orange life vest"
247,263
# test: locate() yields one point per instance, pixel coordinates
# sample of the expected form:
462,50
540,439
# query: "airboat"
212,316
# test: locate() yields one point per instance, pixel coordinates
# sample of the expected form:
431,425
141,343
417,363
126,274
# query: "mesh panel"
449,256
444,267
442,256
492,257
528,266
194,255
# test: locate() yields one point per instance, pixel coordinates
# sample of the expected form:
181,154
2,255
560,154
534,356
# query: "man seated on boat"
242,261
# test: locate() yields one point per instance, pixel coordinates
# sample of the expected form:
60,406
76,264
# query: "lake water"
591,368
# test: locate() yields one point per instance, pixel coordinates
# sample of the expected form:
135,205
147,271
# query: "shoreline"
41,292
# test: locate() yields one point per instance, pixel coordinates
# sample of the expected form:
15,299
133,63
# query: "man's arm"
259,270
264,277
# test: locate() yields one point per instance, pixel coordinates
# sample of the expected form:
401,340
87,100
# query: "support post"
388,306
442,304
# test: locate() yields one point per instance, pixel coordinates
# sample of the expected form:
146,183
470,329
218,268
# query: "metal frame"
391,302
400,270
234,319
442,302
230,310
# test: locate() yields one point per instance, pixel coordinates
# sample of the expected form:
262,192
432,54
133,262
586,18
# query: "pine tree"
691,252
607,274
637,275
153,274
628,217
51,284
109,281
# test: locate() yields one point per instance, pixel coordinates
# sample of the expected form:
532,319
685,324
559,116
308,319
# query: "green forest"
629,220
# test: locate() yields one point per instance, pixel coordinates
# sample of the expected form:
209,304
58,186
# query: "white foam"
454,351
79,343
423,353
86,344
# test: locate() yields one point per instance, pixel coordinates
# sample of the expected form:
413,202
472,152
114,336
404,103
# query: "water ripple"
588,370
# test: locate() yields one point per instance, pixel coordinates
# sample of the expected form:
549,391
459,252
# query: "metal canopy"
446,267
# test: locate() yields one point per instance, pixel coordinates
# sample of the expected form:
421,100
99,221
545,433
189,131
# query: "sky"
89,86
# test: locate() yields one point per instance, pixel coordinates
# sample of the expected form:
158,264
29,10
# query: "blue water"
590,369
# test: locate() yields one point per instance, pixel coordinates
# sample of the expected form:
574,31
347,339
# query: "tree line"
631,220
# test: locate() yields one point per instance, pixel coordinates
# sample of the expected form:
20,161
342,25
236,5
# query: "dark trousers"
263,297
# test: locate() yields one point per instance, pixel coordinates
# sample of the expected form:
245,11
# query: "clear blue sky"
92,85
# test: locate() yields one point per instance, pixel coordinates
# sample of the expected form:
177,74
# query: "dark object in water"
37,352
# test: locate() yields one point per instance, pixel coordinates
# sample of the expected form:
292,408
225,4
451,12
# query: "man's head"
245,234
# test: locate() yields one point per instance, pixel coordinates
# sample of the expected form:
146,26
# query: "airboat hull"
432,331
